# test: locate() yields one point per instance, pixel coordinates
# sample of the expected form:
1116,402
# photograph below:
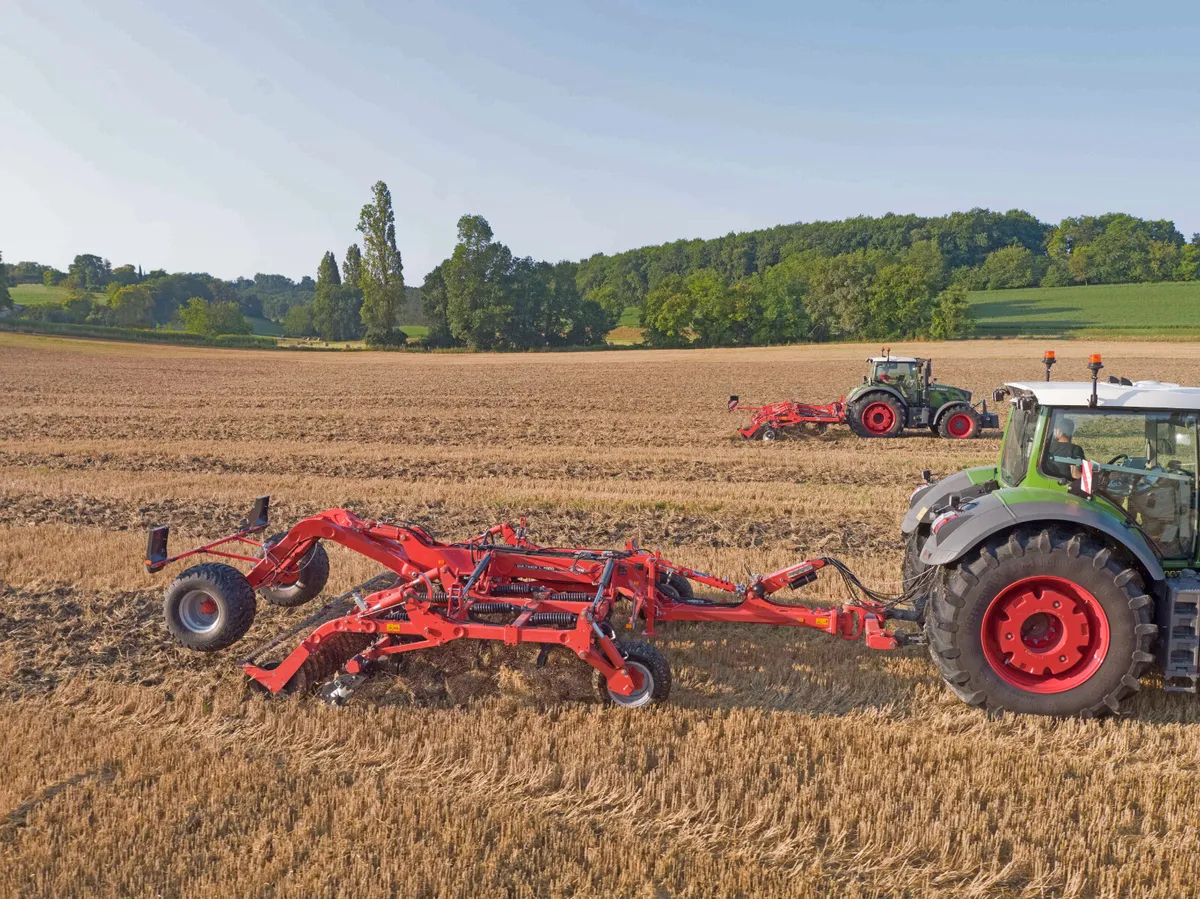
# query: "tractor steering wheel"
1118,458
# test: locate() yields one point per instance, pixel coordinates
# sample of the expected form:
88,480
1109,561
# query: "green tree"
1008,267
434,300
1187,268
952,315
382,278
200,316
323,312
299,322
52,277
478,305
132,307
124,276
352,267
92,272
667,313
6,301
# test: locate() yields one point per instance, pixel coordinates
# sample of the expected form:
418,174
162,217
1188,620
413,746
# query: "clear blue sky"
243,136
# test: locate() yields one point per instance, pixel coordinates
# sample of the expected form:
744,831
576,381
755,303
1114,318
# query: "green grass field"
37,295
1169,309
265,327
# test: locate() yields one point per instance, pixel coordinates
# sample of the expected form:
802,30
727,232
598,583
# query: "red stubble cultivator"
496,586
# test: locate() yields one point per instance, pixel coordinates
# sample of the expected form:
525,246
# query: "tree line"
863,278
892,276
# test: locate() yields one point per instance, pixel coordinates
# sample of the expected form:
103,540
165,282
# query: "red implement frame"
551,596
788,414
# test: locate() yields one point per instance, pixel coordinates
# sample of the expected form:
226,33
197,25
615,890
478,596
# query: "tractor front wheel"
650,672
1044,622
312,573
209,606
876,415
959,423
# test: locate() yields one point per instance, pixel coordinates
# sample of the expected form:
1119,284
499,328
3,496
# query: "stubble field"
785,764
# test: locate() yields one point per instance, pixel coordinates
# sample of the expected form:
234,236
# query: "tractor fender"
927,500
878,388
989,515
937,416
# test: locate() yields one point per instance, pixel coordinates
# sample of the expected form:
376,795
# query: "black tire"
209,607
865,429
956,622
915,574
314,574
682,586
651,663
768,434
955,419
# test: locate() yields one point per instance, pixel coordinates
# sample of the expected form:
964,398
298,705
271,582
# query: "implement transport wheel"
650,672
876,415
959,423
1046,622
682,586
209,606
312,575
768,433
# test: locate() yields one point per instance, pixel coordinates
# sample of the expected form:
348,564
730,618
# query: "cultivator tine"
260,514
156,548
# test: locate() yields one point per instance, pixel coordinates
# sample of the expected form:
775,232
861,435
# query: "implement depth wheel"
209,607
1049,623
959,424
311,577
650,672
876,415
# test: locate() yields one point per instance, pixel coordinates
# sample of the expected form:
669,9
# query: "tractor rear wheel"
1045,622
651,675
876,415
959,423
914,572
209,606
310,580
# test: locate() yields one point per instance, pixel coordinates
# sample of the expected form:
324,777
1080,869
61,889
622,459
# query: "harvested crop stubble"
786,764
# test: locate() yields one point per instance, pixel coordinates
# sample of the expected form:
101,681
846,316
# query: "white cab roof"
874,359
1141,395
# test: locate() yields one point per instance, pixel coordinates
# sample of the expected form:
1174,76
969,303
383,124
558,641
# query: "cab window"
1144,462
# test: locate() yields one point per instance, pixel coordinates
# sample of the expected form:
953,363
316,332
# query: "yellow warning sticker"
821,622
393,627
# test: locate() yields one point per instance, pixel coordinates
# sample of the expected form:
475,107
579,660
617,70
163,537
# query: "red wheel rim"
959,425
879,418
1045,634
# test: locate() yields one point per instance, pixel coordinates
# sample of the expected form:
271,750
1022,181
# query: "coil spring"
395,615
558,619
493,608
515,589
575,596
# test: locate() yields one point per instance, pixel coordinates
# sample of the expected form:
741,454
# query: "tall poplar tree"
382,279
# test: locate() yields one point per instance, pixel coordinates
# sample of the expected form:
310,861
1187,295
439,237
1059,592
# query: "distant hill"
1167,309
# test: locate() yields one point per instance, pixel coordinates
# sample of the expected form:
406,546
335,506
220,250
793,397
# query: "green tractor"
1050,582
899,393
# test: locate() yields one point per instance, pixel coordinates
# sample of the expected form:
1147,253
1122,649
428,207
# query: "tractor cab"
1135,449
908,375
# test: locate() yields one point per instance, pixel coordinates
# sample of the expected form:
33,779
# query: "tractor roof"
874,359
1139,395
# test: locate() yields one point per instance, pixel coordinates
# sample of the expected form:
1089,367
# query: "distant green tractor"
1050,582
899,393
